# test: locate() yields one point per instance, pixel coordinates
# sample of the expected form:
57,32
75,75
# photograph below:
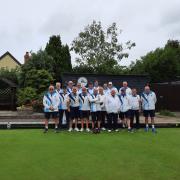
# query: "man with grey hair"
79,88
111,87
84,109
95,109
125,109
149,99
105,88
70,87
128,90
112,105
58,88
103,109
51,102
74,109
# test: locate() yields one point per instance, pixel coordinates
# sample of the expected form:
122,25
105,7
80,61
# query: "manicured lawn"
32,155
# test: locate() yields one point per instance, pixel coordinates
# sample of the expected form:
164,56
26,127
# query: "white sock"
147,125
153,126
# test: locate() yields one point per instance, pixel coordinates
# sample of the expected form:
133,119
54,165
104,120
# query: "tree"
38,79
98,49
163,64
61,56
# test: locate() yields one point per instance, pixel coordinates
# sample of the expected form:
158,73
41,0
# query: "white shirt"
112,104
106,91
79,91
64,98
90,91
102,102
135,102
59,91
69,90
84,102
51,100
148,100
125,103
128,91
95,103
74,100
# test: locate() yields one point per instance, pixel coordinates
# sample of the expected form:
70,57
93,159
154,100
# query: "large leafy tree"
163,64
99,50
60,54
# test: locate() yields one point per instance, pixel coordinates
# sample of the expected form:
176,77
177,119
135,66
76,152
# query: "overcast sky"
27,25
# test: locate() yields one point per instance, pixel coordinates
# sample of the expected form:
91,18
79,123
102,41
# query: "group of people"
96,104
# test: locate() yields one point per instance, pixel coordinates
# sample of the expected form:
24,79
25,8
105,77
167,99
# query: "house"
8,61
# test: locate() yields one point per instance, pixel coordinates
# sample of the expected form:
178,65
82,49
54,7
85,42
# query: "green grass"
32,155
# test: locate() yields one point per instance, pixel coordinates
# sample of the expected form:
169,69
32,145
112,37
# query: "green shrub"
26,96
37,104
38,79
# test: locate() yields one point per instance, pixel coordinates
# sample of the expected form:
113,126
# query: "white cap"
110,83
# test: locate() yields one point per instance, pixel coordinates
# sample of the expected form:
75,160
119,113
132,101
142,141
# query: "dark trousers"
61,112
112,120
103,117
134,113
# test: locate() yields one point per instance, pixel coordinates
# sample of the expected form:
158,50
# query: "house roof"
8,53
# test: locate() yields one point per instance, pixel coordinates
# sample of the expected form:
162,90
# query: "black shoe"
56,130
45,130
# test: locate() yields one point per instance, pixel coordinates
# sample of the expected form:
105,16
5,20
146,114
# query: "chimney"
26,57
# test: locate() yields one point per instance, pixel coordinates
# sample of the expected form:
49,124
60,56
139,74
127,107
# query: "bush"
166,112
38,79
26,96
37,104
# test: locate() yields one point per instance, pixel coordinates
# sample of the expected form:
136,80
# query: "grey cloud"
27,25
171,17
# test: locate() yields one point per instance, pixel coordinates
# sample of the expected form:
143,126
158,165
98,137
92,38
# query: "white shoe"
81,129
70,129
76,129
103,128
109,130
87,129
117,130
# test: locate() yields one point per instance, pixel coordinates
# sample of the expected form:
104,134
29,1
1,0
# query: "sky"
27,25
